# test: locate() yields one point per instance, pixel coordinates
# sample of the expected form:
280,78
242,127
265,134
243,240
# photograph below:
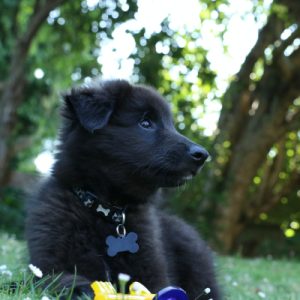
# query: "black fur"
119,142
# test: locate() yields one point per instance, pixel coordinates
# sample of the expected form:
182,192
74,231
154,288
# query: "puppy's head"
126,134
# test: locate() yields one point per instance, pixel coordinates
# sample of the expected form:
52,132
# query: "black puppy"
96,212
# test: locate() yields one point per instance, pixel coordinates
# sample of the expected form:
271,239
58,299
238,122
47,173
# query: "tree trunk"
13,88
255,116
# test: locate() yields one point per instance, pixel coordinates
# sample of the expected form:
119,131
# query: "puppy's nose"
198,154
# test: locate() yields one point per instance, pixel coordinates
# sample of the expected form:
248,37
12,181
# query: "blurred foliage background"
247,199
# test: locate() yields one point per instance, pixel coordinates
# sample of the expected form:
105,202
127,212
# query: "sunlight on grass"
260,278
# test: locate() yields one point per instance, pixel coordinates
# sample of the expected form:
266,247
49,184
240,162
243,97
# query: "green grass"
247,279
241,278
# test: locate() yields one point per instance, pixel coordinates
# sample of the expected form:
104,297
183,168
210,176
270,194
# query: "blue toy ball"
171,293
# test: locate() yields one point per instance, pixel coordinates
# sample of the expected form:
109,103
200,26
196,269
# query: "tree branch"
269,179
292,6
285,43
9,101
295,60
267,36
286,189
38,17
237,100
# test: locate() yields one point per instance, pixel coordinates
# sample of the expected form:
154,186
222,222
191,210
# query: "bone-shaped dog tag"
122,244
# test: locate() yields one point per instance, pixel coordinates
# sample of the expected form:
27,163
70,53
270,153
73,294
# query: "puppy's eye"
146,123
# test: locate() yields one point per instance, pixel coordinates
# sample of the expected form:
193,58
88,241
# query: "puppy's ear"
91,107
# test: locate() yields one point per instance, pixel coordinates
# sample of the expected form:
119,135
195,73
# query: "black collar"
111,213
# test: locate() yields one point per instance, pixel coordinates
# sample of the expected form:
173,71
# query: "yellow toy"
106,291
